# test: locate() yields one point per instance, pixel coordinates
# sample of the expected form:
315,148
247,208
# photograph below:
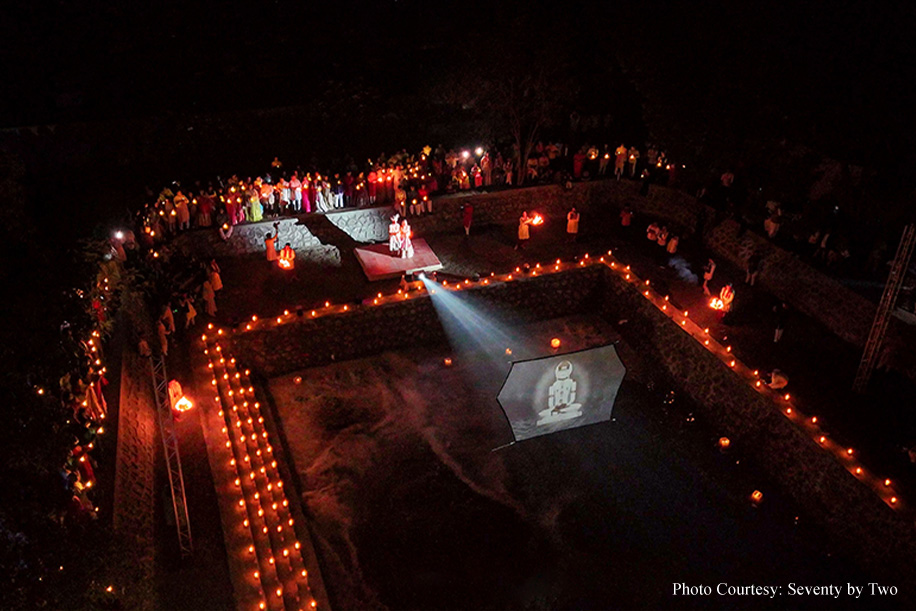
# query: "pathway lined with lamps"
262,540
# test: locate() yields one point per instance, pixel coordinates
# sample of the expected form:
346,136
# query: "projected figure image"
561,397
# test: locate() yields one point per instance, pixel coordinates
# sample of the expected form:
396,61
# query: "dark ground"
413,509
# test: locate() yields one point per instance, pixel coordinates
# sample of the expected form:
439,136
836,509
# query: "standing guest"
604,162
338,192
167,318
753,268
523,231
414,199
780,314
389,184
215,281
171,217
231,206
478,176
205,210
371,185
255,211
426,202
708,271
662,238
182,211
652,231
406,242
578,163
209,298
464,178
626,216
620,160
361,196
572,224
672,245
400,202
267,197
295,186
285,195
646,182
633,159
310,193
190,313
486,169
394,236
348,189
163,338
467,217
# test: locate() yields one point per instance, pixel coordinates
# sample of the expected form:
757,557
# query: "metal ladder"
172,456
885,309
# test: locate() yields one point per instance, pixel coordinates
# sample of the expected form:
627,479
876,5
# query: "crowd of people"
81,394
406,181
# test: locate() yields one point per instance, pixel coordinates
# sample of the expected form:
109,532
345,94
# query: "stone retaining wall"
279,349
134,494
858,520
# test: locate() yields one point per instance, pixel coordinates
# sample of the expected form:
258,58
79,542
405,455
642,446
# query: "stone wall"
248,238
857,519
134,493
278,349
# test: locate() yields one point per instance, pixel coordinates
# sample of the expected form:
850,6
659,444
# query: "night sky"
833,75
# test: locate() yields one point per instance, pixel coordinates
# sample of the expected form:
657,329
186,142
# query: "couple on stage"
399,242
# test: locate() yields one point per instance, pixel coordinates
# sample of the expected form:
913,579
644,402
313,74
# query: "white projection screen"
560,392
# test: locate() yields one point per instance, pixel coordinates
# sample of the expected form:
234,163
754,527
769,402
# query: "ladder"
885,309
172,456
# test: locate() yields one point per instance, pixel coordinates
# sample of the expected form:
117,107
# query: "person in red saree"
232,207
578,164
371,187
205,209
466,218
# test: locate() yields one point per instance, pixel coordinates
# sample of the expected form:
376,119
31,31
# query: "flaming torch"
716,304
537,220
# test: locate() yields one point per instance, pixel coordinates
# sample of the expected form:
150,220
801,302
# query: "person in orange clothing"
287,257
270,243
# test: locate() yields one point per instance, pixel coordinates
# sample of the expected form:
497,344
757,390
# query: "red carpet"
379,264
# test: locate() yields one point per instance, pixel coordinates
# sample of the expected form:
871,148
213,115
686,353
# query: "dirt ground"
412,507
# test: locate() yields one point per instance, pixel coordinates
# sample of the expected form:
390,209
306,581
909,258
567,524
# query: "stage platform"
379,264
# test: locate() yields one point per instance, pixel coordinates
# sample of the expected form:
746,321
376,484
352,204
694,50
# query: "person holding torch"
523,232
